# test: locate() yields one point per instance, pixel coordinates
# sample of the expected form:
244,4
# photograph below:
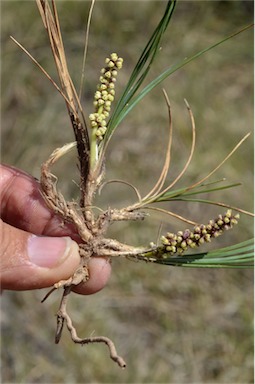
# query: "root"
80,275
62,317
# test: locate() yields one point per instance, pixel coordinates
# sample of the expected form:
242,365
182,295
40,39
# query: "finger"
99,274
32,262
23,206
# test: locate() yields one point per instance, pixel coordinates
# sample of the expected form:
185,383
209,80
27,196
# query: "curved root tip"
118,359
63,317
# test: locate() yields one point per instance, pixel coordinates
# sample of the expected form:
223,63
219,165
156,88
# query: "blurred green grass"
171,325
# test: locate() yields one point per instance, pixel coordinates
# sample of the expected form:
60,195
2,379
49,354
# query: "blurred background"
171,325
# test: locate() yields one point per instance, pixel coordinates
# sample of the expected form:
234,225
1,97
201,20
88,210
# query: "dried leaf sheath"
51,23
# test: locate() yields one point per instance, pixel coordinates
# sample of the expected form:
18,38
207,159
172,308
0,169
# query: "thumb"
31,262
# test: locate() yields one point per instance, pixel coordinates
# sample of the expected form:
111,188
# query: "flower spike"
104,95
179,242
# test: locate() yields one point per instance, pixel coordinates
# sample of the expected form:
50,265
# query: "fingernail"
47,252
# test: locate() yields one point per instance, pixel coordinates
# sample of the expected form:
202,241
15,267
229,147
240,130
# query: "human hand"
36,250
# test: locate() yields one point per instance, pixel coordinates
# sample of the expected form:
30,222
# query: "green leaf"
182,193
128,101
141,70
240,255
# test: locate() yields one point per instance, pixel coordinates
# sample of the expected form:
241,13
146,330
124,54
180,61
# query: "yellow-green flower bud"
102,87
100,102
228,213
99,118
171,235
105,97
97,95
111,64
171,249
108,74
114,56
92,117
207,238
119,65
164,240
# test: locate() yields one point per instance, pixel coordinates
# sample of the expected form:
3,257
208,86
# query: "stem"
94,144
93,150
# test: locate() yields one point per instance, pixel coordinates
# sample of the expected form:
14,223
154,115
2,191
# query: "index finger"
23,206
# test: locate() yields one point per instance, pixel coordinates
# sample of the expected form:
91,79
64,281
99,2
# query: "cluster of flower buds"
104,95
182,240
